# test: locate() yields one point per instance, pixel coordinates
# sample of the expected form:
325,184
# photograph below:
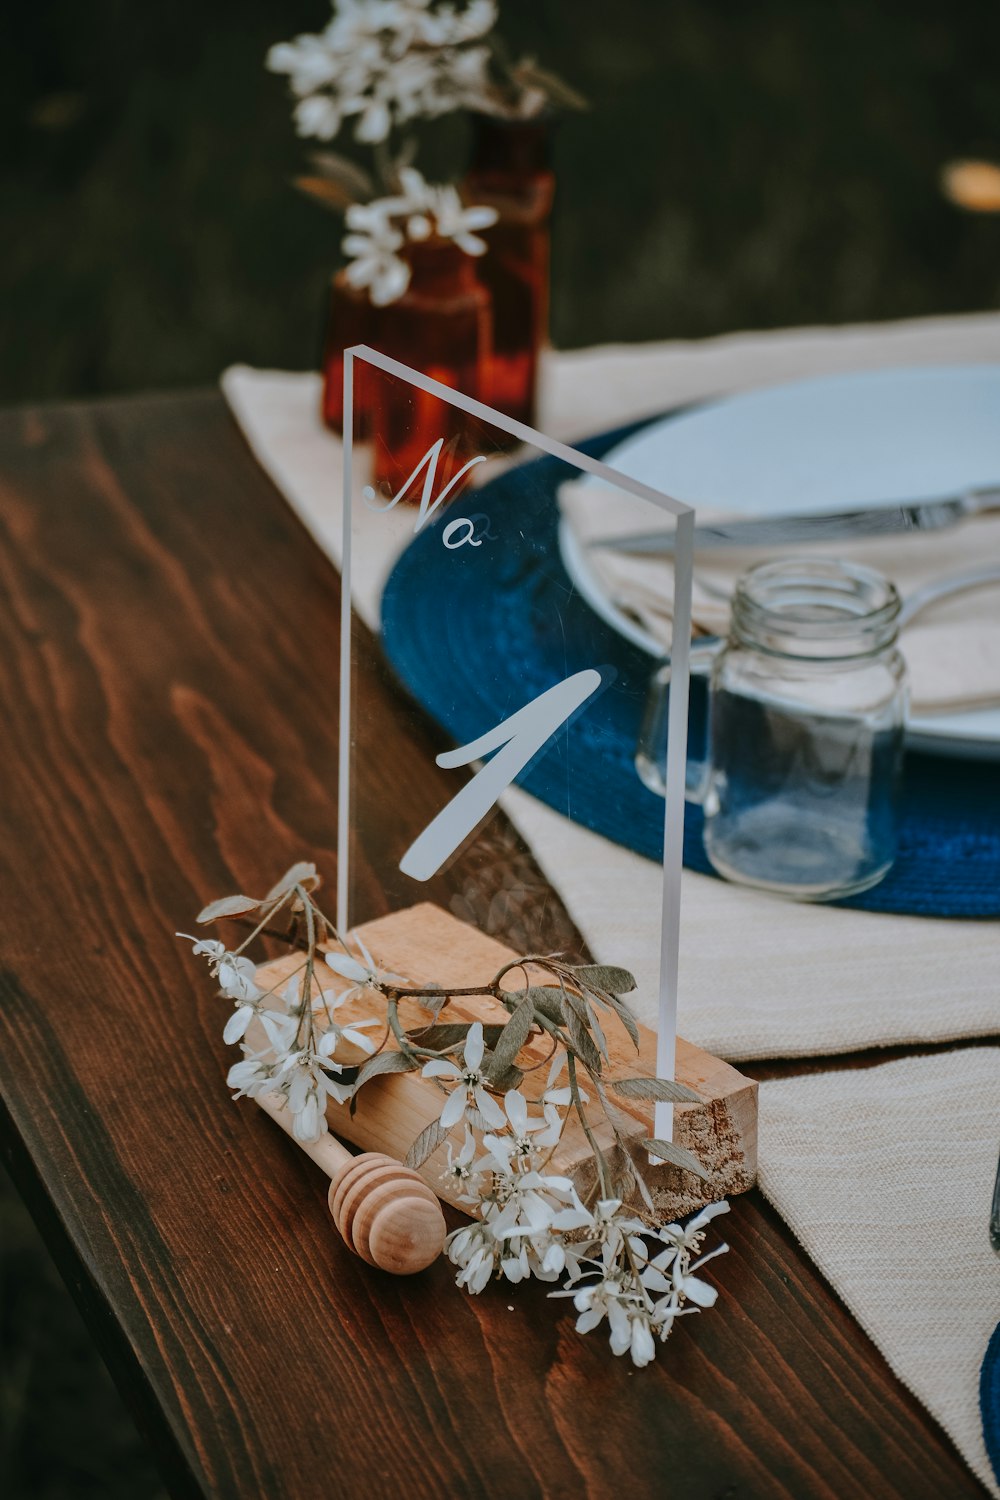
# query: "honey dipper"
386,1213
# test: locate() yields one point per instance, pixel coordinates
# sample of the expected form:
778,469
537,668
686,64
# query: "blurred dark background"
742,166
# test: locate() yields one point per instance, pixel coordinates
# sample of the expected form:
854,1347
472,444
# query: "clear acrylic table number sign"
458,576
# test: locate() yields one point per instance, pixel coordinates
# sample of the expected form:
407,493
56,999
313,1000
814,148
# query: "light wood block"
428,946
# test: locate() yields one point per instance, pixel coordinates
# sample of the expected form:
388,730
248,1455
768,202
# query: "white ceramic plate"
832,444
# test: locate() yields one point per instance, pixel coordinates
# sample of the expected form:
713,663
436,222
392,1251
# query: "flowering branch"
386,64
530,1222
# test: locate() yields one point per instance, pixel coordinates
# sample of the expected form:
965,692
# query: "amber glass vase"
441,326
510,172
350,320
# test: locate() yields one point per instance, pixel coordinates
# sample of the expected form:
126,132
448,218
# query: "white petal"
558,1063
454,1108
358,1039
237,1024
555,1258
572,1218
440,1067
346,966
470,243
559,1097
306,1124
517,1110
699,1292
390,282
706,1214
643,1347
364,951
489,1109
475,1046
589,1319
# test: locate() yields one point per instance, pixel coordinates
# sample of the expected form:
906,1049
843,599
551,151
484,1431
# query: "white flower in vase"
378,231
454,221
385,62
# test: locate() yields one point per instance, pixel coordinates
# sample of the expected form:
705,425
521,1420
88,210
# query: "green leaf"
426,1144
227,906
512,1038
583,1042
606,977
626,1017
385,1062
596,1032
665,1090
677,1157
548,1002
303,873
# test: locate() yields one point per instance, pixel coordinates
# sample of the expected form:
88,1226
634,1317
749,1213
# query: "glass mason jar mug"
807,700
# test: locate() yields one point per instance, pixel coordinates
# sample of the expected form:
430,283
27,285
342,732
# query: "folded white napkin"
885,1176
952,647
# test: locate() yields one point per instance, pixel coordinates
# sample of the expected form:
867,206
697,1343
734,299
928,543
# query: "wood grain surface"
157,599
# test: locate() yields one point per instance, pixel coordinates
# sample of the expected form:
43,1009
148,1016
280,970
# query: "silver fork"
928,593
995,1214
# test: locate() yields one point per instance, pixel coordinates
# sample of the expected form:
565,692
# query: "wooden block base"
429,946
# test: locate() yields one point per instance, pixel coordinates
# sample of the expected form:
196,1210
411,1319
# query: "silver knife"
783,531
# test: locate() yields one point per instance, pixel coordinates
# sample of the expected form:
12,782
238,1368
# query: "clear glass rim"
823,601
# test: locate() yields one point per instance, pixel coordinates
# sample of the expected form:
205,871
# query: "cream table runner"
884,1175
759,977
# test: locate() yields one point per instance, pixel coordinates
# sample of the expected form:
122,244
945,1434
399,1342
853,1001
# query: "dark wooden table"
168,673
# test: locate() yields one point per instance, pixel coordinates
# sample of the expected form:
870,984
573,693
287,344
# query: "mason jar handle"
651,751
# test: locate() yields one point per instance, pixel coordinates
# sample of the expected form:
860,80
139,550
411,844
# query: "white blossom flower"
305,1081
476,1253
252,1075
622,1282
385,62
470,1094
365,976
236,975
690,1235
691,1287
454,221
210,947
461,1171
517,1143
353,1032
379,230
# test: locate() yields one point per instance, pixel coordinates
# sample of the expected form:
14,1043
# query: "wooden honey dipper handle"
386,1213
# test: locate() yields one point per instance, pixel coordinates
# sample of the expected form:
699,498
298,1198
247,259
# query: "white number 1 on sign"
517,740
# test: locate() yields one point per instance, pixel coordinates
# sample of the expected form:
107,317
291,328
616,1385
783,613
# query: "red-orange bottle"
441,326
510,172
350,320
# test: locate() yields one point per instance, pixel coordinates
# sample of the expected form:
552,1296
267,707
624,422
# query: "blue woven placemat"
989,1400
475,633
